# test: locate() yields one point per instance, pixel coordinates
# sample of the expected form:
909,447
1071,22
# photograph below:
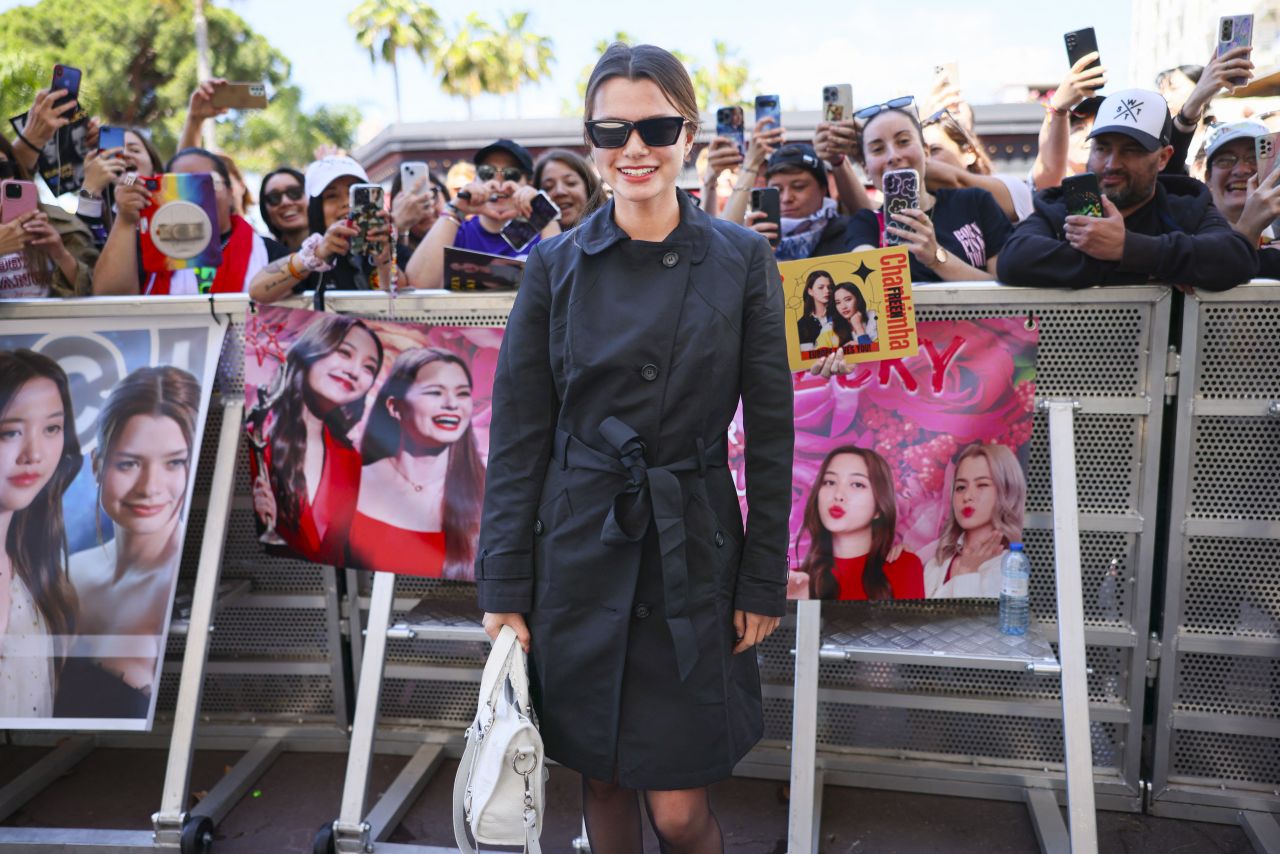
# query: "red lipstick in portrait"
836,511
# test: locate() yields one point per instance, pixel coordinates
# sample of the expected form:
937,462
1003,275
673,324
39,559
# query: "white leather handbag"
501,779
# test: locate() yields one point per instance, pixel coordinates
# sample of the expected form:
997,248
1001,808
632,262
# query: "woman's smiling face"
144,474
436,409
345,375
31,442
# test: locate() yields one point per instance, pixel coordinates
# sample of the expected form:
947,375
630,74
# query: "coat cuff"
1141,253
504,583
762,585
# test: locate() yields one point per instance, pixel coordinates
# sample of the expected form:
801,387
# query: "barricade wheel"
197,835
324,841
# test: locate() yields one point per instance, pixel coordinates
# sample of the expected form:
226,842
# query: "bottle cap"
1015,547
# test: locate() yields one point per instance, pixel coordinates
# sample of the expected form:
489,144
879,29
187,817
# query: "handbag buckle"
520,758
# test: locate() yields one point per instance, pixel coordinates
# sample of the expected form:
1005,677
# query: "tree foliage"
477,58
386,27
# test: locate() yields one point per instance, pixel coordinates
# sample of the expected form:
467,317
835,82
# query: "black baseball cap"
515,149
798,156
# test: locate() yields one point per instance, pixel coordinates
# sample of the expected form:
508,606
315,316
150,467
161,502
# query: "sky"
882,49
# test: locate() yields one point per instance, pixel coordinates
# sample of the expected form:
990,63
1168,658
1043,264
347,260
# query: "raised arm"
1055,132
116,272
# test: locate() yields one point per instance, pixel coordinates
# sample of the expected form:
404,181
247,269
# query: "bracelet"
307,255
294,271
28,143
1049,108
1184,124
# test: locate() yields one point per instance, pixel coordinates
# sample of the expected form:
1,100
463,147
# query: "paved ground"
121,788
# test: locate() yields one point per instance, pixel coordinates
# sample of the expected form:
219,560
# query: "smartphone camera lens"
13,191
1226,31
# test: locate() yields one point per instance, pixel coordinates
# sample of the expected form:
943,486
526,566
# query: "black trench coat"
610,518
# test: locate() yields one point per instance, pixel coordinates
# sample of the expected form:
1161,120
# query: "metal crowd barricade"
1217,723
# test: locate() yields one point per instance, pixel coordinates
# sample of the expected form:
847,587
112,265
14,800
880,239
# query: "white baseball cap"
1139,114
322,173
1222,134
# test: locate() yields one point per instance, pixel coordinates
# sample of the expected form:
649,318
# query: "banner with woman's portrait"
368,439
100,429
909,475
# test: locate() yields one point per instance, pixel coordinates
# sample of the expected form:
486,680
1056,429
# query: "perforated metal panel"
1217,738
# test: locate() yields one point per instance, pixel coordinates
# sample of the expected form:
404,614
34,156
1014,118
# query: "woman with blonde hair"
988,499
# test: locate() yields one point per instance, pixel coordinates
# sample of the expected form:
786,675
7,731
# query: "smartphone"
766,199
837,102
729,123
240,96
17,198
1235,31
410,173
901,191
110,138
769,107
1080,43
519,233
366,213
1268,150
949,71
66,77
1082,195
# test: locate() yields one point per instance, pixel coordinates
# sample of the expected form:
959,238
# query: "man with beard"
1154,227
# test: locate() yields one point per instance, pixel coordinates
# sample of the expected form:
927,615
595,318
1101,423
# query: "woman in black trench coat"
611,538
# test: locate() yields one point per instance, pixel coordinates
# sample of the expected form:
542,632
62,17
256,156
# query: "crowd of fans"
1194,219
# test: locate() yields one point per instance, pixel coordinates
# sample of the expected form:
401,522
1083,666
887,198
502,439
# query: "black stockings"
681,819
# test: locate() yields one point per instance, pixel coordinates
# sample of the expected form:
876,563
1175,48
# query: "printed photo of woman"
39,458
146,439
422,487
816,318
312,469
988,500
852,321
850,518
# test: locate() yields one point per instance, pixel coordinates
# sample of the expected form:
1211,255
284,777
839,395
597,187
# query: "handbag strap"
459,797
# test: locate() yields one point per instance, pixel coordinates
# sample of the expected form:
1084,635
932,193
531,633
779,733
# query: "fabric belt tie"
652,494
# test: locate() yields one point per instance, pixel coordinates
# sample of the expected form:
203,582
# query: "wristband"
307,255
1050,109
1184,124
28,143
294,271
87,205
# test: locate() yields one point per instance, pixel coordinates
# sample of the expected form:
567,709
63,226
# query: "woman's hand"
916,230
977,551
493,624
756,222
14,236
832,363
45,236
200,106
722,154
750,629
411,206
100,172
1261,206
337,240
834,141
381,233
473,197
45,118
1081,82
264,501
521,197
131,199
764,141
1217,76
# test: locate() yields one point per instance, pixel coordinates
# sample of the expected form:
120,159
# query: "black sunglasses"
614,133
893,104
275,197
509,173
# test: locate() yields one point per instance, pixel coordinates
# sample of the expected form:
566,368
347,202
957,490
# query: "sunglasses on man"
487,172
657,132
275,197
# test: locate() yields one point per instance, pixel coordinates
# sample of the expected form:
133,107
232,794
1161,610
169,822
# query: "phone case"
1080,43
179,229
366,213
519,233
410,173
949,70
109,138
837,102
1268,150
901,191
1082,196
241,96
66,77
729,123
16,199
769,106
1235,31
766,199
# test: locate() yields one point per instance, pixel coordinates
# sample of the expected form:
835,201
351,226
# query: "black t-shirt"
968,223
351,274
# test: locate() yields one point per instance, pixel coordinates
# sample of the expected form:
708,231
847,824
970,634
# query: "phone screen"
1082,196
110,137
729,123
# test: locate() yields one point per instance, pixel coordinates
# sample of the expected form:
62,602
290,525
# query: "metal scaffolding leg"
1262,830
51,766
804,820
1077,745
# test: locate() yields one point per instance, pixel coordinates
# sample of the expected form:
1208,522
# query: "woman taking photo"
282,204
570,182
146,437
312,470
423,479
611,540
39,458
955,235
850,519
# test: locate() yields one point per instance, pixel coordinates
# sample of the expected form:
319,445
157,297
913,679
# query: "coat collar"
599,232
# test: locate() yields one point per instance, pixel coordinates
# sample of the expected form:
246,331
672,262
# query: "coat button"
719,540
537,527
640,611
649,372
671,259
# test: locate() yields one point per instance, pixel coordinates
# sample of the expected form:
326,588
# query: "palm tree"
723,84
469,62
385,27
525,57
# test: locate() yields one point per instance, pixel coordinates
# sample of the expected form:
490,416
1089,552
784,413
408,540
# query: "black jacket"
1177,238
610,517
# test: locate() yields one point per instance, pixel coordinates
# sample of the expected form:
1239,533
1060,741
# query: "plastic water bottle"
1015,591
